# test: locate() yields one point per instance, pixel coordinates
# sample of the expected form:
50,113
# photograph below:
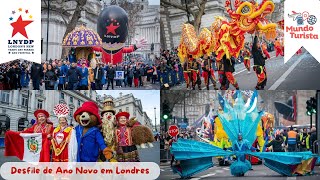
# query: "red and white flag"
29,147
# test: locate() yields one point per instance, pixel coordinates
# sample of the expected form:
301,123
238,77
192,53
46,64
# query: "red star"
112,29
27,11
19,27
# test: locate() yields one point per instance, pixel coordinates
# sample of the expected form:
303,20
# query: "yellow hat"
108,106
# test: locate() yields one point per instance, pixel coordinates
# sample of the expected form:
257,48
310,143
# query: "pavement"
300,72
223,173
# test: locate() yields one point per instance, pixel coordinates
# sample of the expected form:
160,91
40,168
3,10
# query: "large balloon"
113,28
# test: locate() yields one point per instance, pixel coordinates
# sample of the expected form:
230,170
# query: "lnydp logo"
304,28
19,43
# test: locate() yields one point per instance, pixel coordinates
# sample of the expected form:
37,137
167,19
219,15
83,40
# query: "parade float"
113,27
227,37
240,123
81,41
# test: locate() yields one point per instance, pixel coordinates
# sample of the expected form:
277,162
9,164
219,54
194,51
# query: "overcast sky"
154,2
150,99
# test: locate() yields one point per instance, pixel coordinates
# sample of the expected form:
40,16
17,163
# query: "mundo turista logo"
304,25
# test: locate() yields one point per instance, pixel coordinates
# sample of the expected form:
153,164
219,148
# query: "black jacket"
37,71
258,58
110,73
73,75
313,137
100,73
276,145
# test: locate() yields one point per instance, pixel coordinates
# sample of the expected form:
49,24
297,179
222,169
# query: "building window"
79,103
61,95
39,104
127,100
4,124
120,110
5,97
120,103
127,109
71,111
24,101
71,99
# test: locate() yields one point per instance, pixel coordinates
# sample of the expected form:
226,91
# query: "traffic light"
166,114
311,106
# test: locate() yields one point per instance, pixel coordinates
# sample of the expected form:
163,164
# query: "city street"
223,172
300,72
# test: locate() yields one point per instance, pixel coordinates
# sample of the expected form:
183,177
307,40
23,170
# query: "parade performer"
112,27
247,57
37,144
64,142
278,47
187,73
225,70
89,138
126,150
208,72
265,51
195,74
243,118
259,65
108,126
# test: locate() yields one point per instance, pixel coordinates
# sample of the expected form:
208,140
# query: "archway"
22,124
4,124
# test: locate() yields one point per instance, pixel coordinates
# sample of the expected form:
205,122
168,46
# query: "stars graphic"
13,12
11,18
19,27
112,29
30,16
27,11
20,9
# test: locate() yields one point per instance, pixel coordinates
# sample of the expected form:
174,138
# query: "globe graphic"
312,19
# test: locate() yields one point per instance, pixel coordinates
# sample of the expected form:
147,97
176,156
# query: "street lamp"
48,11
155,120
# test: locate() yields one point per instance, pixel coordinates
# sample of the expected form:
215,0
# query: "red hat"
90,107
41,111
126,114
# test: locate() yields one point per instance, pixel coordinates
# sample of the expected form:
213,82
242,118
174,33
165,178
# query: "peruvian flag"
29,147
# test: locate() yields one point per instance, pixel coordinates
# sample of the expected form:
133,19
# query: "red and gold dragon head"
250,17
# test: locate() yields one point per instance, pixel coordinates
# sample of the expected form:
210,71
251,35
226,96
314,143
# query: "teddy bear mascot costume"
89,138
109,126
64,141
112,28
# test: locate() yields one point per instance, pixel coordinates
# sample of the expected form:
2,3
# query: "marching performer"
278,48
187,72
259,65
208,72
195,74
265,51
246,56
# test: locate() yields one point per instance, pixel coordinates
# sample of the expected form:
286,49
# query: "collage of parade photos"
158,89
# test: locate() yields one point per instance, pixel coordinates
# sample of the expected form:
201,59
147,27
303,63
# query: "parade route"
300,72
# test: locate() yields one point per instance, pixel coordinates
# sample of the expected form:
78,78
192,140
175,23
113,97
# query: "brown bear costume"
89,138
140,134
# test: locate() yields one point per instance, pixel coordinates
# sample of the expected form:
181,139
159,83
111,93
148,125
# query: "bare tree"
194,8
133,10
70,16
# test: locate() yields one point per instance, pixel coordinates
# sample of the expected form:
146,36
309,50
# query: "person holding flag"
32,144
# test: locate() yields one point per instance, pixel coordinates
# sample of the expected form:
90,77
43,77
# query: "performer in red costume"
112,28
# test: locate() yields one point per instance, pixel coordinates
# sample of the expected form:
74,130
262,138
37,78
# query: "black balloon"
112,25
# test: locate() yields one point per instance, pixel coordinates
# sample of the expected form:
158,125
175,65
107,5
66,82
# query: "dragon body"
226,37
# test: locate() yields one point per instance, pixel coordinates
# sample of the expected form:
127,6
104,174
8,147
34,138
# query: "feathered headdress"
61,110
